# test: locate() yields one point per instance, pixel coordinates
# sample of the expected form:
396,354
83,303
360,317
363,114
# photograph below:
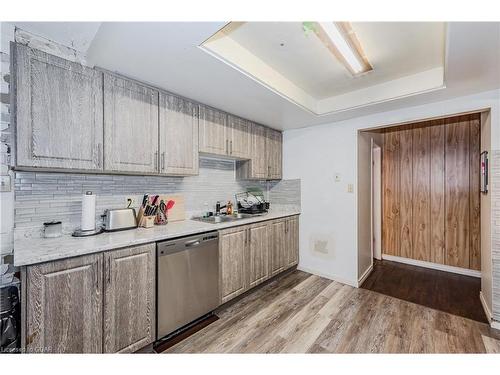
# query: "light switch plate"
337,177
4,183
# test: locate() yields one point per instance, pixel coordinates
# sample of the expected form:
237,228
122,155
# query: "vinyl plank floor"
303,313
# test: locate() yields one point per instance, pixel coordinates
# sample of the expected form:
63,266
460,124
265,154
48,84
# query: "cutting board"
178,212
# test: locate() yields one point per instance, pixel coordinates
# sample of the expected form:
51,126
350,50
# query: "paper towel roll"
88,211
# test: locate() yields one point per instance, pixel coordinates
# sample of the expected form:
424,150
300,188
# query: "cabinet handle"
227,146
231,144
163,161
108,277
99,155
156,160
249,236
96,276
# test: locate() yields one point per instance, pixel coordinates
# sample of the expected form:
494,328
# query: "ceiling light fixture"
341,40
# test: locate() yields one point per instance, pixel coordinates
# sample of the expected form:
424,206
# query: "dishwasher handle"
183,244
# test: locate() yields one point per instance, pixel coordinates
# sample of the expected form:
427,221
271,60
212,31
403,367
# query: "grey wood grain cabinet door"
129,298
239,137
258,152
277,243
292,241
131,126
274,151
258,253
178,136
232,257
213,131
64,306
58,112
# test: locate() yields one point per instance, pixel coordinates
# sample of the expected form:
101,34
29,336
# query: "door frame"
376,200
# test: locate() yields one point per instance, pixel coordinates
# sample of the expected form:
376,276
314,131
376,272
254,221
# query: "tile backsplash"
41,197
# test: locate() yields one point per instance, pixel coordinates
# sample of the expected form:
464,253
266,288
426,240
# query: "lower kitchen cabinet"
277,244
251,254
129,299
258,254
95,303
64,306
291,241
232,257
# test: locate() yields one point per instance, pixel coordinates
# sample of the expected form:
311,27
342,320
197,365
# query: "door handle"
192,243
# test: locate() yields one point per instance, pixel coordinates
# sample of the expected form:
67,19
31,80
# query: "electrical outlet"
350,188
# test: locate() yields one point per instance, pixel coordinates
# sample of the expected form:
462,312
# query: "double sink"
224,218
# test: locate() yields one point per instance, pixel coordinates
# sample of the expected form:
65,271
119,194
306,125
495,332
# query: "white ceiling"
167,55
394,49
77,35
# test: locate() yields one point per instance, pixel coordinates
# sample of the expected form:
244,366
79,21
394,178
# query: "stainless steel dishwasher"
188,280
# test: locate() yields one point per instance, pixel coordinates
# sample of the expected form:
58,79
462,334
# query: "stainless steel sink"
223,218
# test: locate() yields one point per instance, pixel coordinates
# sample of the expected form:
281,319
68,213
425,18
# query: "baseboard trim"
329,276
487,311
435,266
365,276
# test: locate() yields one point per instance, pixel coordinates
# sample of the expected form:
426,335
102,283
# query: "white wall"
328,224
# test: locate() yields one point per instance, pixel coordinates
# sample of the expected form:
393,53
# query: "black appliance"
10,319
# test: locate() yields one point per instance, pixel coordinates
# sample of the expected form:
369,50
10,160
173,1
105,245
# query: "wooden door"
421,193
129,298
58,112
130,126
239,137
64,306
457,193
431,208
277,243
292,242
212,131
274,150
258,253
232,255
178,136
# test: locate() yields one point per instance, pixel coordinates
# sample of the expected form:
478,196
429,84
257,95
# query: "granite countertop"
37,250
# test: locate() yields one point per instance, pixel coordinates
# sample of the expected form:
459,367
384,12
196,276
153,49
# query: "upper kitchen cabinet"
222,134
265,155
58,112
212,131
274,150
238,137
178,136
131,123
257,167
